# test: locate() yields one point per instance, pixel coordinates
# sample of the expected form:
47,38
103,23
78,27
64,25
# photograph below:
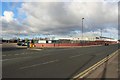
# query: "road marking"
13,58
50,62
78,55
35,49
16,54
39,64
75,56
25,53
22,53
4,60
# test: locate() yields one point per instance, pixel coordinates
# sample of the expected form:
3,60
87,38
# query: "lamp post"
82,31
101,32
82,28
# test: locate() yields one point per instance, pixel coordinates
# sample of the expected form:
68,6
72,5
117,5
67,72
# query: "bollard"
31,45
42,46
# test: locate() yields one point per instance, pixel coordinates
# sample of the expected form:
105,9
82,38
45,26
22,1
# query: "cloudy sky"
25,19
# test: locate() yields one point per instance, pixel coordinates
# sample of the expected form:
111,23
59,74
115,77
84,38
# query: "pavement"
107,70
51,63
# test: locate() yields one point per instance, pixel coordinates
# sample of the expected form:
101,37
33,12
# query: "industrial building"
81,41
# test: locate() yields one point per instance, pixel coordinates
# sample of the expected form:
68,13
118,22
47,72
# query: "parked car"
21,43
106,44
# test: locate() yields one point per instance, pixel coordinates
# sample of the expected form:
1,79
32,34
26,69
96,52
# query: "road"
51,63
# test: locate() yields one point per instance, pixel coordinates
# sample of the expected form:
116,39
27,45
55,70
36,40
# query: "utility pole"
101,32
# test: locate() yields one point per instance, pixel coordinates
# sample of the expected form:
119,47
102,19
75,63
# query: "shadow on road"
73,74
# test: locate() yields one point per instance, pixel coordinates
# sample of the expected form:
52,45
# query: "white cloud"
60,0
44,16
8,16
62,18
11,25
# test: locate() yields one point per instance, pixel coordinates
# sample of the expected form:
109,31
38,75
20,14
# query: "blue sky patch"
12,6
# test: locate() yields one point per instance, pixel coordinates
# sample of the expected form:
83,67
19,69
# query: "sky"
59,18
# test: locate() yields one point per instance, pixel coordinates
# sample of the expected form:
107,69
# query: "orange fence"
62,44
72,44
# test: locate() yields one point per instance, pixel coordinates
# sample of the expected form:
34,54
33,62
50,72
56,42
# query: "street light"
101,32
82,28
82,31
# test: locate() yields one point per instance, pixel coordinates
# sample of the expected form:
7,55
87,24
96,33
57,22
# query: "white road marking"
16,54
39,64
22,53
4,60
36,49
77,55
13,58
50,62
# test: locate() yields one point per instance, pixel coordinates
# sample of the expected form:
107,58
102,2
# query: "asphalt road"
51,63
